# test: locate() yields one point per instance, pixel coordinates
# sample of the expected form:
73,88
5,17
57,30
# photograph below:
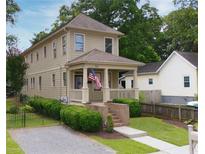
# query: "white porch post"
136,92
85,95
106,89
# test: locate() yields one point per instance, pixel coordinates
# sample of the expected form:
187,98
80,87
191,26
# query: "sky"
38,15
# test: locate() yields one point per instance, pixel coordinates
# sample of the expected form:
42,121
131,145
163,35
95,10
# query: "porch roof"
100,57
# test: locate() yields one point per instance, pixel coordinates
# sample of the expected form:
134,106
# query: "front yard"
11,146
159,129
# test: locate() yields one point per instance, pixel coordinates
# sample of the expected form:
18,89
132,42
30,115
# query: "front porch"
81,89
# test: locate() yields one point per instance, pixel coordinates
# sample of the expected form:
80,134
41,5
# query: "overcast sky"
38,15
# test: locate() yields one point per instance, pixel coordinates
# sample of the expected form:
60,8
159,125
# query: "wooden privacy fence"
151,96
175,112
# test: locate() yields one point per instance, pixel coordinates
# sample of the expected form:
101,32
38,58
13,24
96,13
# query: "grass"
32,120
157,128
11,146
125,145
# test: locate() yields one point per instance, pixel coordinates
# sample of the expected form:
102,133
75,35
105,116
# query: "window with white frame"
33,82
186,81
54,46
31,58
64,44
108,45
79,42
44,51
39,82
64,79
37,56
53,80
78,81
150,81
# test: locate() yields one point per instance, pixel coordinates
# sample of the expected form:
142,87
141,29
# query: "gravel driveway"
56,140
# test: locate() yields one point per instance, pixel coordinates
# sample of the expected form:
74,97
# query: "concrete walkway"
142,137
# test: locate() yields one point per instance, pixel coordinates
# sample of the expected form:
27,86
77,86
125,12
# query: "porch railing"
122,93
76,95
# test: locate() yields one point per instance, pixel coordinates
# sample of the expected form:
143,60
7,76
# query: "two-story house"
59,64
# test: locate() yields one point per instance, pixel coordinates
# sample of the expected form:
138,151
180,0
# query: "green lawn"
125,145
157,128
11,146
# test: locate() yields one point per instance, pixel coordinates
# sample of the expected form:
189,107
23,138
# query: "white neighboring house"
176,77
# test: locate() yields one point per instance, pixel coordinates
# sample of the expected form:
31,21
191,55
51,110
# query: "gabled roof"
192,57
83,22
101,57
151,68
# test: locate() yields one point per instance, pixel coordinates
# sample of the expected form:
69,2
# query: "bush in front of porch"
134,105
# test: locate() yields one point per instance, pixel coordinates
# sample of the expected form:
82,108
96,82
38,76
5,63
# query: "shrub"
27,108
134,105
109,124
13,109
24,98
81,118
48,107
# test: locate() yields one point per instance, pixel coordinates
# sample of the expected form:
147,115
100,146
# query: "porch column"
85,94
136,92
106,89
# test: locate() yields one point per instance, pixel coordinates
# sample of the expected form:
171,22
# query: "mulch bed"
103,134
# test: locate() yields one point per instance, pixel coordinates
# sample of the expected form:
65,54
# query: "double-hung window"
150,81
54,45
78,81
39,82
31,58
79,42
64,44
44,51
33,83
37,56
53,80
108,45
186,81
64,79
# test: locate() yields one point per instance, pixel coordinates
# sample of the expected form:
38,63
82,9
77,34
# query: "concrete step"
116,120
118,124
130,132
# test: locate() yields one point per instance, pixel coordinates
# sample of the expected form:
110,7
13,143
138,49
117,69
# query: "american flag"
93,77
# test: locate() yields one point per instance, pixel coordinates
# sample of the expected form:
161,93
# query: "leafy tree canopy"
186,3
11,9
38,36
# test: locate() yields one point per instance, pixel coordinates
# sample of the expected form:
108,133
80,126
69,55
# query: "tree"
38,36
11,43
181,28
11,9
15,72
186,3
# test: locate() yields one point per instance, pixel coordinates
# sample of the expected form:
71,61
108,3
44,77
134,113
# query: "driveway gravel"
56,140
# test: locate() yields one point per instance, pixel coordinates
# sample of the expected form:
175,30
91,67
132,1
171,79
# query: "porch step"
118,124
116,120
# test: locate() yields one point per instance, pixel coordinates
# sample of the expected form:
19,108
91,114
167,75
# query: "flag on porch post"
94,77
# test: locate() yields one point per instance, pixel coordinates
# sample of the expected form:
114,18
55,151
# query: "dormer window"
108,45
54,50
79,42
64,44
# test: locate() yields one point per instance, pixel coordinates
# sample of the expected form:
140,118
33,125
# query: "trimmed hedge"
134,105
48,107
81,118
76,117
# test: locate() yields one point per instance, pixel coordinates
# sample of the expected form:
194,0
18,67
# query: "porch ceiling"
96,56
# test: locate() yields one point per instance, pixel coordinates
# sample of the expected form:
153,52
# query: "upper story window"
64,44
53,80
79,42
44,51
108,45
186,81
31,58
54,46
150,81
37,56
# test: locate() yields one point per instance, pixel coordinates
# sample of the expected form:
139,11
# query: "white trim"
174,52
112,43
64,35
77,33
63,78
186,75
